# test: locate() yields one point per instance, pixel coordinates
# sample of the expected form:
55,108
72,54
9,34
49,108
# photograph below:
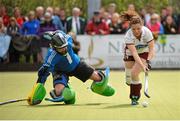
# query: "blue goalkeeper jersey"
54,62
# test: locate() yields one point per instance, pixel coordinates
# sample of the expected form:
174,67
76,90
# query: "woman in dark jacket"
169,26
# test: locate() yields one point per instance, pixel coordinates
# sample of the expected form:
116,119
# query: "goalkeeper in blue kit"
62,62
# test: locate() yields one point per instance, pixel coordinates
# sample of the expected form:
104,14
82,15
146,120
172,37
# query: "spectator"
163,15
31,26
4,15
56,20
56,11
131,7
4,42
170,12
102,10
63,18
75,23
40,13
155,26
97,25
76,44
106,18
30,29
111,9
17,15
150,11
142,13
169,26
116,25
13,30
46,25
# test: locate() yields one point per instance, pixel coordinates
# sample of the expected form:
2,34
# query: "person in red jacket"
4,15
17,15
97,25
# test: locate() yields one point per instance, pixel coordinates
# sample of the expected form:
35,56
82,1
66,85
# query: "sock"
101,74
135,88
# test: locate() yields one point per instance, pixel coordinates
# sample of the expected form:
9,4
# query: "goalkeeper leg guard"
37,94
102,87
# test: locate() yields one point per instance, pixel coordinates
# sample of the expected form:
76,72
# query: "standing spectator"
155,25
4,15
17,15
142,13
62,15
111,9
56,11
75,23
30,29
102,10
131,7
97,25
31,26
170,12
46,25
116,25
170,26
13,30
106,18
163,15
40,13
150,11
56,20
4,42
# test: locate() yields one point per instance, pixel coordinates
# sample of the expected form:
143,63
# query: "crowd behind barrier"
21,35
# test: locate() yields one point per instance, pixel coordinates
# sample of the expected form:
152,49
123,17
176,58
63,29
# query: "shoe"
134,100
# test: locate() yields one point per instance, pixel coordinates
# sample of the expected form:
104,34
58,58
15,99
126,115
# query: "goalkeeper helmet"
59,41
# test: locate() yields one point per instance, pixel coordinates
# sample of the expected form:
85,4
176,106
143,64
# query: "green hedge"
27,5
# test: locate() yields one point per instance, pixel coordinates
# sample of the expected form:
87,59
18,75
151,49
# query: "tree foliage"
27,5
139,4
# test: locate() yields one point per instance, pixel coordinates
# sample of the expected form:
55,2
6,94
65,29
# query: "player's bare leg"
128,67
58,89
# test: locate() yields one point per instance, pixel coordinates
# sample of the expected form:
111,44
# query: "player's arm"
151,50
43,73
133,50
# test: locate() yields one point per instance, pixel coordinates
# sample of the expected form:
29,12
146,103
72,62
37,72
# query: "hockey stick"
146,85
12,101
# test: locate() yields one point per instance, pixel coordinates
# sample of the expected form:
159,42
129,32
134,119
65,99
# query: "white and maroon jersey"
142,44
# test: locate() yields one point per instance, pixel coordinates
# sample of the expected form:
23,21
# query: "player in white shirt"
139,50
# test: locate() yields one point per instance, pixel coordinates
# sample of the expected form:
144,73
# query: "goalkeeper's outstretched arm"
43,73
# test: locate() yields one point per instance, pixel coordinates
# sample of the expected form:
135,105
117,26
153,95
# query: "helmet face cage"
59,41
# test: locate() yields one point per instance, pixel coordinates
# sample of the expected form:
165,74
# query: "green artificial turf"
164,89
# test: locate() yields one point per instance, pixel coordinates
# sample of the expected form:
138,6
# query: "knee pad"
102,87
69,95
37,94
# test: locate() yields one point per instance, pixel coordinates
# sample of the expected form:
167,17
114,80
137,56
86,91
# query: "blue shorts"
60,79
